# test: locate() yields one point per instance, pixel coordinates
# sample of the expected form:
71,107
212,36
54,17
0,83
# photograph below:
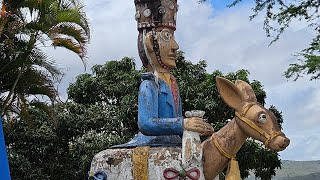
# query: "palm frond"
75,16
36,82
69,29
71,45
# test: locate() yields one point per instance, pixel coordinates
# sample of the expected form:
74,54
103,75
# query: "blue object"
100,175
4,166
160,122
153,141
157,114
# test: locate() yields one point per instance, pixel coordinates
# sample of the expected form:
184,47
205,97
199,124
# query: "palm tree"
26,72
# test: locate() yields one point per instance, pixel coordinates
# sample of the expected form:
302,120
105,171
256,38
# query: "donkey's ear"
230,94
246,91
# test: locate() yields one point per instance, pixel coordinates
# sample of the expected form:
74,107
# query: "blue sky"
228,41
220,4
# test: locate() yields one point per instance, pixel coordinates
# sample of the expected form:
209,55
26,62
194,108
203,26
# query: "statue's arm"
149,121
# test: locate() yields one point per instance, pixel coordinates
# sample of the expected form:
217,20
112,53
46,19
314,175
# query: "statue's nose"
175,45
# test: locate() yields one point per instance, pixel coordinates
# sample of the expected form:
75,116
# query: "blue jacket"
157,114
160,123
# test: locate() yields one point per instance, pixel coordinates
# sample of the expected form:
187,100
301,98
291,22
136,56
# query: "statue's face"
168,47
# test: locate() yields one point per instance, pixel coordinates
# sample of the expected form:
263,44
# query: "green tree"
63,149
26,72
101,111
115,87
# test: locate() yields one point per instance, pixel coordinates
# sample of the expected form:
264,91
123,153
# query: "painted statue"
160,118
251,120
158,152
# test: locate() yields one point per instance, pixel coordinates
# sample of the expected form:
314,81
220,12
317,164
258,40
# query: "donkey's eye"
262,118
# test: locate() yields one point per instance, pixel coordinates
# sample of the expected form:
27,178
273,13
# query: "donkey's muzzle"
280,143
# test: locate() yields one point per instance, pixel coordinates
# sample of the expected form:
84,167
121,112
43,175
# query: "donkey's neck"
230,138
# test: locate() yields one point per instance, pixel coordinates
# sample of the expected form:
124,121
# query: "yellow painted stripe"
140,158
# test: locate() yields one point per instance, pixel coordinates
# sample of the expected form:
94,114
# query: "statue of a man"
160,117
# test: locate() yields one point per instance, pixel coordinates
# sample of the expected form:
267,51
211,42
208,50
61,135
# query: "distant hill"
297,170
312,176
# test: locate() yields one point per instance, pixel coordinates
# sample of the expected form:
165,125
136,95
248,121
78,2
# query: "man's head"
156,25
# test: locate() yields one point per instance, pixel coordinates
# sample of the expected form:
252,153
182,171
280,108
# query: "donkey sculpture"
251,120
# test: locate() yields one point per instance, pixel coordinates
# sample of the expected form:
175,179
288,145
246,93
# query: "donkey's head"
254,120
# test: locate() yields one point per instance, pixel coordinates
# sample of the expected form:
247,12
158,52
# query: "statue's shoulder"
148,82
148,76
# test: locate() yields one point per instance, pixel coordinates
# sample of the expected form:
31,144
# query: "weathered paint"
191,146
140,162
192,151
117,163
125,163
153,141
157,114
230,138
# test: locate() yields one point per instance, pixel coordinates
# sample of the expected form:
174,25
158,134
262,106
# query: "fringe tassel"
233,172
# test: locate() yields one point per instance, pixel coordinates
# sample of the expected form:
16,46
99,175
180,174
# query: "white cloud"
113,31
303,146
228,41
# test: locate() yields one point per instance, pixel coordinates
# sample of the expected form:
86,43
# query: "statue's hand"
196,124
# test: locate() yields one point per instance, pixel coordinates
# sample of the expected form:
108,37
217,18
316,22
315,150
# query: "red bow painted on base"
181,174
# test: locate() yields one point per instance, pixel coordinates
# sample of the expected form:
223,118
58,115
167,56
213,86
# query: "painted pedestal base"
118,165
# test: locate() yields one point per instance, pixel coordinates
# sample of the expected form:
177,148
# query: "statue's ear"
230,94
148,42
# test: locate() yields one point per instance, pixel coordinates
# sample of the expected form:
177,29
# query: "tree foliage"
26,72
57,150
102,111
114,86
